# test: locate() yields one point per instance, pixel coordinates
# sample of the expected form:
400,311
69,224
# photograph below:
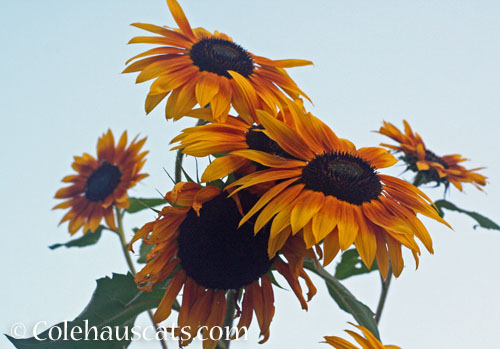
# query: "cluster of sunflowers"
282,187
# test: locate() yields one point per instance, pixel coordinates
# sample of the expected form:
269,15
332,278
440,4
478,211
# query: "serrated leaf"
345,299
139,204
351,264
483,221
88,239
116,302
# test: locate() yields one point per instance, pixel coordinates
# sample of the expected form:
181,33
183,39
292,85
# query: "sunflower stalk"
386,283
228,319
121,234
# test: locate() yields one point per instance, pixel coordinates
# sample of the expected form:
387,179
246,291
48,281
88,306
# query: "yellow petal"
326,218
308,204
262,177
269,160
180,102
180,18
378,157
366,241
206,88
287,138
268,196
289,63
347,226
222,167
277,204
246,89
331,246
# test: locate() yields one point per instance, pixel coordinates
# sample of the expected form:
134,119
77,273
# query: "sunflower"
234,134
429,166
367,342
199,247
332,192
198,67
101,183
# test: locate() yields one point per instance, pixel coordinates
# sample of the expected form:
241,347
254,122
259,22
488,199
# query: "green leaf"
351,264
345,299
217,183
480,219
144,250
88,239
115,302
139,204
271,277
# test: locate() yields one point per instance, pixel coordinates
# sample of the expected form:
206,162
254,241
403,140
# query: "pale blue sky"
435,64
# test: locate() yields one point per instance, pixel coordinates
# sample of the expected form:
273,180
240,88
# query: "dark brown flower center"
219,55
344,176
218,255
102,182
430,156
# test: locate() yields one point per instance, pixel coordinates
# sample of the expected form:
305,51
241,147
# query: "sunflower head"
201,248
101,183
195,67
366,340
327,191
430,168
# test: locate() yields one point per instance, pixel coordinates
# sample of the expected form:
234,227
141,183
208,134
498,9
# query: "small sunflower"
200,247
198,67
429,166
332,192
101,183
367,342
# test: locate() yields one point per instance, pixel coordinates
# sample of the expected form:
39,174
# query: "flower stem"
383,294
178,165
228,320
180,157
121,234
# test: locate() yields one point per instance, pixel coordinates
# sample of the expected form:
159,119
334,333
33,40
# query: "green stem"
228,320
180,157
178,165
383,294
121,234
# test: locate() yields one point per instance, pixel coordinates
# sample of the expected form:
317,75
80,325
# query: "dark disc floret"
218,255
344,176
218,56
430,156
102,182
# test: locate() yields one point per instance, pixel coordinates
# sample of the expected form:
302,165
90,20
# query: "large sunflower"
429,166
198,67
367,341
101,183
332,192
200,247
